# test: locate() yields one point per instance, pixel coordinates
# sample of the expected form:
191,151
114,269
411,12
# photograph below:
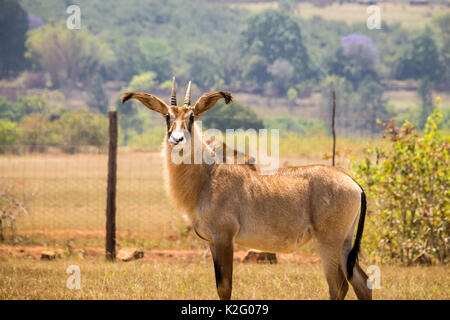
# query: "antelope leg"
222,254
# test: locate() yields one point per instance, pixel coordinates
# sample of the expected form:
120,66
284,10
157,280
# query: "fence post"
111,189
332,126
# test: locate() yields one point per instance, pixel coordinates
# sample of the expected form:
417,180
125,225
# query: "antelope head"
179,120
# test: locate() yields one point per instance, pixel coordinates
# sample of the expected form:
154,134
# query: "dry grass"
68,192
410,17
22,278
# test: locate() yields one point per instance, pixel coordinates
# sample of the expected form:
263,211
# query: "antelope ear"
208,100
148,100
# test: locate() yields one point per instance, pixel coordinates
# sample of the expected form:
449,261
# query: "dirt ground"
167,255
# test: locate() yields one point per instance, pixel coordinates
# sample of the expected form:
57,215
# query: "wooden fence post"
332,126
111,189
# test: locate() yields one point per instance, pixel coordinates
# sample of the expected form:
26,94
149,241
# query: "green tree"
34,105
442,22
9,133
425,91
69,56
82,128
256,70
7,110
274,34
372,105
356,110
143,82
97,95
155,55
233,116
420,59
13,28
38,132
202,68
287,124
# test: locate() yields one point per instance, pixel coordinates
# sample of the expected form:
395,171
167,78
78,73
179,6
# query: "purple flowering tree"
361,56
34,22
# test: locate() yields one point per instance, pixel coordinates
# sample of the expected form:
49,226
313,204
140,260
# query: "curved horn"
173,97
187,98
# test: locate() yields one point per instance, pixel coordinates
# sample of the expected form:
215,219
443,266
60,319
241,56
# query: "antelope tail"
353,255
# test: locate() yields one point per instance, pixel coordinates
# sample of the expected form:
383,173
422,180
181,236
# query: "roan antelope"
230,203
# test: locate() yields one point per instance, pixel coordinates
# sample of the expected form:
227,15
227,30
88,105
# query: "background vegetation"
273,50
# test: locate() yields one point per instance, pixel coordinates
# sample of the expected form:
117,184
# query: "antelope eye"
191,117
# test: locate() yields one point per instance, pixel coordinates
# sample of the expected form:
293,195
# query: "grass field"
22,278
410,17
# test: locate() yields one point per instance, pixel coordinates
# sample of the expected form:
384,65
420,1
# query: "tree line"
270,53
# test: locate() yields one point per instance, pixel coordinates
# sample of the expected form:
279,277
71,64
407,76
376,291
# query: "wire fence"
65,197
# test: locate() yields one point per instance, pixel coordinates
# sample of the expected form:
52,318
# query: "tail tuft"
227,96
353,255
127,96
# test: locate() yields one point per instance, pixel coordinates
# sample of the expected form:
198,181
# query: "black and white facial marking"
179,124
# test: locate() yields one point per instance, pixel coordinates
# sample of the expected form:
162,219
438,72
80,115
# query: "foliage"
274,34
255,70
143,82
299,125
70,57
9,133
97,95
425,92
10,210
282,72
151,139
69,130
34,104
356,110
35,22
13,28
442,23
38,132
202,68
82,128
233,116
420,59
292,94
356,58
7,110
157,56
408,187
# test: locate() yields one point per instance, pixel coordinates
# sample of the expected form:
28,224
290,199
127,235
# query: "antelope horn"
173,97
187,98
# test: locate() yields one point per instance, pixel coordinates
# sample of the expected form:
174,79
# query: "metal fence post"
332,126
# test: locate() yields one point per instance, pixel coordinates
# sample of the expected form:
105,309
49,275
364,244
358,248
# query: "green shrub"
71,131
83,128
9,133
151,139
143,82
233,116
408,187
293,124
